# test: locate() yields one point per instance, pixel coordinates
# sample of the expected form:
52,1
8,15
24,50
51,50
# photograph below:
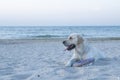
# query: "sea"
41,32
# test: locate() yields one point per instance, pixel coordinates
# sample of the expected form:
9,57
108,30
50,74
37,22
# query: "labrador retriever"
81,50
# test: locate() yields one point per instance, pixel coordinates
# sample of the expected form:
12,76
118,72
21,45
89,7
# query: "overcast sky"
59,12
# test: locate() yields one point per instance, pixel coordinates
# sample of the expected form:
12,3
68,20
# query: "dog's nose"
63,42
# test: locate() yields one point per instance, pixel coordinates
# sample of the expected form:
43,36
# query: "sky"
59,12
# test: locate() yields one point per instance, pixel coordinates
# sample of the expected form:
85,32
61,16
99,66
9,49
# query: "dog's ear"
80,39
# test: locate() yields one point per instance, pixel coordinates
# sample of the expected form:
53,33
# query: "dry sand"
45,59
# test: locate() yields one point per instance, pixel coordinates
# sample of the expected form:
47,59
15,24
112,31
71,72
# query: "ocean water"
36,32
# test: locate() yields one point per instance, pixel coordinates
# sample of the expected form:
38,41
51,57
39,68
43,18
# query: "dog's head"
73,41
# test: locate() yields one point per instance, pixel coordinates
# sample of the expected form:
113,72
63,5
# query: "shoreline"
54,40
60,39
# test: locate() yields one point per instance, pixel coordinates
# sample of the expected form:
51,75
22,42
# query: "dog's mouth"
70,47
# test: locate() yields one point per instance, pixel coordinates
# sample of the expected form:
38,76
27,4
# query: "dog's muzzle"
69,47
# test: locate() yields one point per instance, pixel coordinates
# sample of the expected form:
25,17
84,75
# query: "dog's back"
92,52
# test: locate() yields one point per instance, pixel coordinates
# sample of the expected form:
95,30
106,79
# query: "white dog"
81,49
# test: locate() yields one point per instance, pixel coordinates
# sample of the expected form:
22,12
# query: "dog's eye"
70,38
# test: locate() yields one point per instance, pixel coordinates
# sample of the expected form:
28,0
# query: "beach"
48,39
44,59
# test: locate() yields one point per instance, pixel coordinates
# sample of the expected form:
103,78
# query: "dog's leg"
71,61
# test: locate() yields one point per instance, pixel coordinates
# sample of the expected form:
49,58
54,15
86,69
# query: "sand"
45,59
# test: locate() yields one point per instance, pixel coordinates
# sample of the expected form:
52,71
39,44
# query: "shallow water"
43,60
